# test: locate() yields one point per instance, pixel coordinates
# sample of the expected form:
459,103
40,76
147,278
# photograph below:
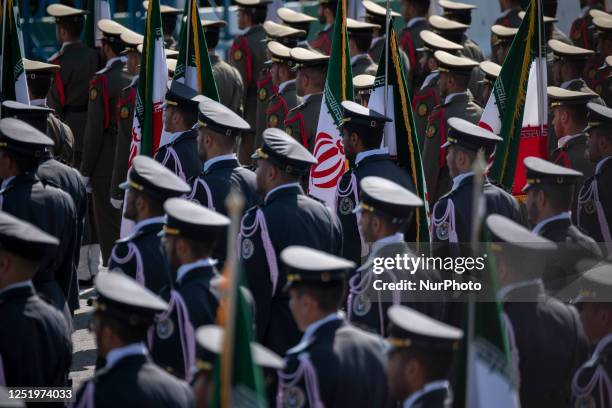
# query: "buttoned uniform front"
302,121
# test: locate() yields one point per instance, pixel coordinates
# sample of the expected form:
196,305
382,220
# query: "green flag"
96,10
193,67
400,135
13,84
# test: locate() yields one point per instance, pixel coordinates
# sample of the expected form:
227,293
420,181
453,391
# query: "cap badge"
362,305
293,397
346,205
247,248
442,231
165,328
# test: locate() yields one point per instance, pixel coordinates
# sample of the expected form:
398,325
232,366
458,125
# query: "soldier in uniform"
363,86
248,55
491,71
455,31
335,364
428,95
582,31
594,199
385,210
285,95
302,121
178,150
297,20
228,79
124,310
509,13
419,358
415,14
596,70
595,304
322,41
458,102
23,195
550,192
36,348
501,40
265,232
169,17
190,235
140,255
360,38
549,9
362,130
221,173
452,214
99,143
545,367
78,64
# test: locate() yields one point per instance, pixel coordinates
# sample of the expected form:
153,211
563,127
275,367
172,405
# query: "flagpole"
387,24
187,54
3,47
541,105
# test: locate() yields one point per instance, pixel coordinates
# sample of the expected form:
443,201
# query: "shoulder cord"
448,216
600,377
592,193
248,231
352,189
191,196
132,252
307,370
87,400
178,167
513,347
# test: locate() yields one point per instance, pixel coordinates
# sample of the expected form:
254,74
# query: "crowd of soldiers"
322,339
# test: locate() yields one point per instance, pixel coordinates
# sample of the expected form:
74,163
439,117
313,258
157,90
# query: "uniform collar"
566,215
565,139
39,102
458,179
391,239
565,84
17,285
308,96
429,387
358,56
600,164
147,221
282,186
452,96
313,327
66,44
414,20
503,292
282,86
171,137
111,61
133,349
210,162
201,263
375,40
6,182
429,78
368,153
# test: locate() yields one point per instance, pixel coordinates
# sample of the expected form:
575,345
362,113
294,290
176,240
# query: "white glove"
118,204
87,183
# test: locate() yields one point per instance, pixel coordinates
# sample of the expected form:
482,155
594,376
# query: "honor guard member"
360,38
568,66
362,131
282,162
23,195
124,111
100,135
419,359
297,20
550,191
78,64
462,13
501,40
415,14
509,13
52,172
452,214
179,150
322,41
491,71
582,31
228,79
454,76
248,55
545,367
190,235
302,121
607,84
124,311
285,95
40,76
594,199
169,17
597,71
455,31
428,95
140,255
549,8
363,86
210,345
219,128
335,364
385,209
36,348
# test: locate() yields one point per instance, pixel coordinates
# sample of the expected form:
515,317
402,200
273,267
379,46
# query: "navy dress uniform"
545,366
222,174
365,307
129,377
335,364
193,303
286,217
360,31
559,227
413,331
366,123
180,153
46,206
140,254
54,173
363,85
452,213
36,347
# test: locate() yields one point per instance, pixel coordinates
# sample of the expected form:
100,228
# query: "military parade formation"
225,200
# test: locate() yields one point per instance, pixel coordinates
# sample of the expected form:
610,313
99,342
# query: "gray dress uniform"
410,41
229,83
281,103
302,121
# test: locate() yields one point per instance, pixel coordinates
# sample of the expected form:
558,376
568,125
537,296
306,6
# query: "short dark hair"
39,86
369,139
127,333
422,7
24,163
318,72
190,117
560,196
578,112
169,24
331,6
200,249
437,364
74,28
258,14
155,202
461,79
362,41
329,296
116,46
212,37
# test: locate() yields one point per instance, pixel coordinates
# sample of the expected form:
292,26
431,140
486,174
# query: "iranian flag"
13,84
400,135
325,175
193,67
96,10
517,109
